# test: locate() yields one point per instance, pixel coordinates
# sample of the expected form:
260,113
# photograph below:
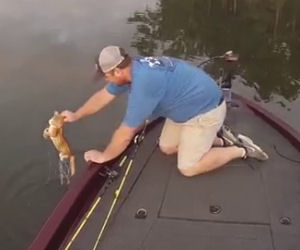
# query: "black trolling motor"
224,81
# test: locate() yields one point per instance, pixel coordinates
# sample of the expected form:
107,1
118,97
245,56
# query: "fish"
54,132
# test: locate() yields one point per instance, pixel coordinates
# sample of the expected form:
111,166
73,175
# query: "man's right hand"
69,116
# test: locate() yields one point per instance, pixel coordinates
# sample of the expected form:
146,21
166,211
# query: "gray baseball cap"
110,57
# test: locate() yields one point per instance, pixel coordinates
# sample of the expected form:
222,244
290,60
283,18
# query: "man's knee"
168,150
187,172
190,172
190,164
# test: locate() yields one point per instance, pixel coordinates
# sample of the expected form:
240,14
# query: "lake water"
47,50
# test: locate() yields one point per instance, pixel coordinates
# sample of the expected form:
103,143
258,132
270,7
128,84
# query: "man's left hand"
94,156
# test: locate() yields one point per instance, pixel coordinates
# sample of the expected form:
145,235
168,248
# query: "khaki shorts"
194,137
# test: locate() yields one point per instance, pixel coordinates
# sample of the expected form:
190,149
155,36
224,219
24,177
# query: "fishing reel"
110,173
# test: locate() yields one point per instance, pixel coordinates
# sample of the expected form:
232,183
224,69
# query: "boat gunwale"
291,134
73,204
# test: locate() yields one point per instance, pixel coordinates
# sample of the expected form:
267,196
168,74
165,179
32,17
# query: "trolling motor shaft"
224,82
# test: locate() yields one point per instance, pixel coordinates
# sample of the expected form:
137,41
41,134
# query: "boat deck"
245,205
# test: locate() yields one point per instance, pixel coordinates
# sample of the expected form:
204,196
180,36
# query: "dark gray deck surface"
253,197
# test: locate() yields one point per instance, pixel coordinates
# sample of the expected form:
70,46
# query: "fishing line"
49,168
64,171
284,156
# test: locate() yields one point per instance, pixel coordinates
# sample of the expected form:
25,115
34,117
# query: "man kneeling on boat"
185,95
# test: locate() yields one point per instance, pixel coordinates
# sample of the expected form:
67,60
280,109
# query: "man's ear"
117,72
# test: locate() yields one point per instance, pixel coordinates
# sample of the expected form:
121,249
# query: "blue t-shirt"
167,87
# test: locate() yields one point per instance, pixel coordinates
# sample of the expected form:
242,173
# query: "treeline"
266,34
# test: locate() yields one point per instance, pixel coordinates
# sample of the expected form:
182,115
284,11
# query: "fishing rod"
112,174
137,141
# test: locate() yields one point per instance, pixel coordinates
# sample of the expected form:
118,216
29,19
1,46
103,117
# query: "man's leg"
169,150
198,135
216,157
169,138
213,159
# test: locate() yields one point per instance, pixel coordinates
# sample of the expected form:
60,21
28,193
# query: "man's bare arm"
95,103
120,140
117,145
